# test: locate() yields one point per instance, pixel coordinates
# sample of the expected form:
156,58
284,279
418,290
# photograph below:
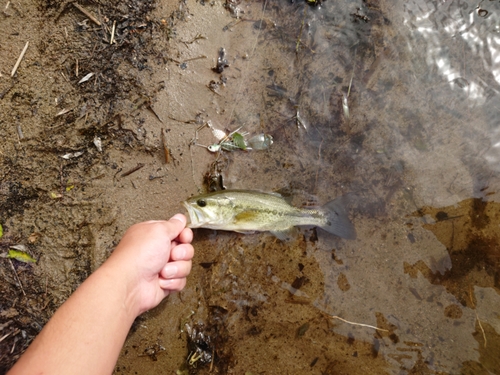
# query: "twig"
477,317
212,360
185,122
231,24
195,58
471,298
6,91
150,107
87,13
63,111
14,69
112,39
17,277
299,42
20,132
165,147
46,304
5,336
198,36
64,76
482,329
358,324
135,169
352,75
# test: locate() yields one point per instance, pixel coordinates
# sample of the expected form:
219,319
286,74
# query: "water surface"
393,107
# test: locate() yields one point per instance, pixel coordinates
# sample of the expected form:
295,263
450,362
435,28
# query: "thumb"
175,225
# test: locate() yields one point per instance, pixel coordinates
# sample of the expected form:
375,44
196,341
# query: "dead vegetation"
75,89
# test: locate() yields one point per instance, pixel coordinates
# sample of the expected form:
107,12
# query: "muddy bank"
72,120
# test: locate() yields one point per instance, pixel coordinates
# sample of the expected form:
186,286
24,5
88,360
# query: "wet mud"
469,233
104,124
59,134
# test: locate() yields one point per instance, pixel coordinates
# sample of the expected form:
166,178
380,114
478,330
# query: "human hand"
154,257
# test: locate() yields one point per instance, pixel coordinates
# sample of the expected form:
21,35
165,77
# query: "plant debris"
21,256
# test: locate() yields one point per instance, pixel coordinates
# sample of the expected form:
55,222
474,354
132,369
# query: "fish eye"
201,202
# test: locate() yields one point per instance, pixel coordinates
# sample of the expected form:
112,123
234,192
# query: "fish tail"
338,222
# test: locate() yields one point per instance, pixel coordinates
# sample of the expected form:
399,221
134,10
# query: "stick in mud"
135,169
87,13
358,324
14,69
482,329
112,39
17,277
166,150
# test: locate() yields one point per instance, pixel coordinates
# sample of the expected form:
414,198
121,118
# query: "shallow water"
416,157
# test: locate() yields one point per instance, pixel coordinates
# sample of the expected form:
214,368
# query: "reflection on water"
461,41
393,107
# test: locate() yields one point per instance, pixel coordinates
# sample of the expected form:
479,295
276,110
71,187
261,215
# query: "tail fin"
338,222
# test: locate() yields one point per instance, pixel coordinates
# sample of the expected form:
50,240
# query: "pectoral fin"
285,235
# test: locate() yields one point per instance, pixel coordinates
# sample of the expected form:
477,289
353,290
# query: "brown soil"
58,190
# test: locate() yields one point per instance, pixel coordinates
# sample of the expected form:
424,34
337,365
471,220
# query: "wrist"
122,284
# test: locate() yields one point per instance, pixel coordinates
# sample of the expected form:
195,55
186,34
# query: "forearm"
86,334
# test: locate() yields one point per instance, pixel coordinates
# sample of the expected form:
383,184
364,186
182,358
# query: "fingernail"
169,271
179,217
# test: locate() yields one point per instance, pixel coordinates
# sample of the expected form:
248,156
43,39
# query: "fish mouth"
196,217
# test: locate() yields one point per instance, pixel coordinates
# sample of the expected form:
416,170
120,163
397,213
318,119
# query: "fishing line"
238,91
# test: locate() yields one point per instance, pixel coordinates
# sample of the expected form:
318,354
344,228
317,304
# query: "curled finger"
186,235
182,252
175,270
174,285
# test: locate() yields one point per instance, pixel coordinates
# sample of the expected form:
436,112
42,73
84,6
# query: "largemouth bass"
248,211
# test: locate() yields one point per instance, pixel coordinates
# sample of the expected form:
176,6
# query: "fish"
247,211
